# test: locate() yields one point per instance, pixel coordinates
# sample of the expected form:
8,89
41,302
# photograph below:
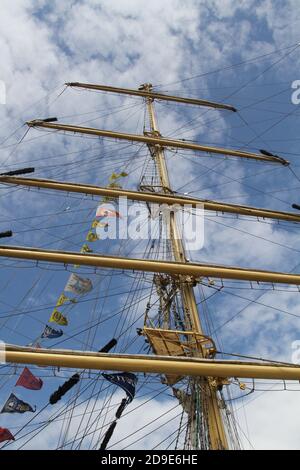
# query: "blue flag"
15,405
126,380
51,332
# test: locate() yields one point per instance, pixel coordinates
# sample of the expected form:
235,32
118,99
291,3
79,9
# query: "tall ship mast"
140,313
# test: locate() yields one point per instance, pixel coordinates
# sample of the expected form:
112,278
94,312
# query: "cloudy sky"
243,52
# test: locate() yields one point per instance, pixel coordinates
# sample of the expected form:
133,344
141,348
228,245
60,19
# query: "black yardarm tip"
22,171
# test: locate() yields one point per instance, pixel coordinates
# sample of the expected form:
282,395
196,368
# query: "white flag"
78,285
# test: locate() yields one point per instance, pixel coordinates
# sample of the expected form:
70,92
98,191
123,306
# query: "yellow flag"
91,236
97,223
113,177
116,176
58,318
86,249
61,300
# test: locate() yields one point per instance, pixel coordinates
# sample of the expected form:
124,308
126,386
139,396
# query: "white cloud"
127,43
270,421
134,430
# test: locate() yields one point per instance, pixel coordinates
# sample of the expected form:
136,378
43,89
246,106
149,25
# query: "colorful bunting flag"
51,333
28,380
6,435
97,224
61,300
15,405
58,318
115,176
78,285
91,236
114,185
105,212
126,380
86,249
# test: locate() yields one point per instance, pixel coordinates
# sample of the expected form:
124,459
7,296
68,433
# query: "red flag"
6,435
28,380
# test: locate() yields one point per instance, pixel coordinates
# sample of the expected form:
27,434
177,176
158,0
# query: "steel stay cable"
230,66
236,180
253,301
126,413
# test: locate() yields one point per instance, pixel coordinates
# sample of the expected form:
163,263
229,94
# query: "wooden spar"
195,270
151,364
156,140
157,198
151,94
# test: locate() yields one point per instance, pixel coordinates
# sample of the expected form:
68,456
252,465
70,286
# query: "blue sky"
190,48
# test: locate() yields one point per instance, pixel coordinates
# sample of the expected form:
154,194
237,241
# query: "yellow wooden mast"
213,418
